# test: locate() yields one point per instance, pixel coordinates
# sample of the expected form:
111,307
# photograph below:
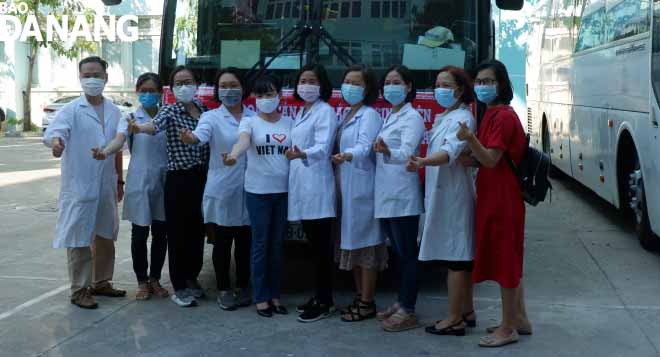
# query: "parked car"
51,109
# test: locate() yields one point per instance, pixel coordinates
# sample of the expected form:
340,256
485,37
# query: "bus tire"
637,203
553,172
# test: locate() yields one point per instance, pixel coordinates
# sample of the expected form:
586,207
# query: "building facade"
56,77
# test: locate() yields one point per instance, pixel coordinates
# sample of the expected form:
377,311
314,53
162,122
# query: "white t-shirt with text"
267,166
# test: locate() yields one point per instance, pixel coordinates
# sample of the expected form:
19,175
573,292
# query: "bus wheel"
637,202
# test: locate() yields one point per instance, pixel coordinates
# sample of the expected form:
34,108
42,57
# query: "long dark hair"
370,82
324,81
407,77
236,73
504,86
149,76
179,69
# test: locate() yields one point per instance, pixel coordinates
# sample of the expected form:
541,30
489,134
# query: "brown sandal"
156,289
143,292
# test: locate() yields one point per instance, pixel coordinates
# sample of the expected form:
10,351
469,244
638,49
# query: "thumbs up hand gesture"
228,160
58,147
464,133
381,147
133,127
414,163
294,153
98,154
187,136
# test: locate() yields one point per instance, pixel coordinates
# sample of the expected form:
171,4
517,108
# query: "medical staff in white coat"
312,183
88,221
144,203
449,200
224,196
362,245
399,192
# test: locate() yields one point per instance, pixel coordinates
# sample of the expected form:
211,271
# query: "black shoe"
452,330
301,308
470,322
267,312
316,311
279,309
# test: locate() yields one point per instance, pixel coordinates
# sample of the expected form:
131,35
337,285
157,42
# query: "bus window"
627,18
423,34
592,29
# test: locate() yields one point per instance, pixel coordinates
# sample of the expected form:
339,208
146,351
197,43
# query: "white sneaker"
182,299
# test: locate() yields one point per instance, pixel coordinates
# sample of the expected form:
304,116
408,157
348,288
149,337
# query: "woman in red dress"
500,210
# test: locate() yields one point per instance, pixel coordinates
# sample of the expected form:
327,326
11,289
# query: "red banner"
425,104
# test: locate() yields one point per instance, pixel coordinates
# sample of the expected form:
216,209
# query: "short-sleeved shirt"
172,119
267,166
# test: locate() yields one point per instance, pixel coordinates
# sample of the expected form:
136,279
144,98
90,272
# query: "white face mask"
309,92
92,87
184,94
268,105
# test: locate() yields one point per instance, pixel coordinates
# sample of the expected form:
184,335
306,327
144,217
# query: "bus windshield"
425,35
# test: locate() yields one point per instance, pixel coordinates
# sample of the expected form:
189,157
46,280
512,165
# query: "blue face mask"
486,94
352,94
395,94
149,100
445,97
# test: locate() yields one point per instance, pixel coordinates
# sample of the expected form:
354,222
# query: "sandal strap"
357,310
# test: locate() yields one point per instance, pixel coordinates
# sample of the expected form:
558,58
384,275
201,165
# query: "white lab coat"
311,180
399,192
448,232
359,227
224,196
144,197
88,192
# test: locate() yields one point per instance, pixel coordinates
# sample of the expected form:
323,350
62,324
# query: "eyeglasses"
485,82
184,83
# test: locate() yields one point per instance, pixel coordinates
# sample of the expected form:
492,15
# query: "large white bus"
593,88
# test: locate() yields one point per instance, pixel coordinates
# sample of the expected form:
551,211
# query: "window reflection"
423,34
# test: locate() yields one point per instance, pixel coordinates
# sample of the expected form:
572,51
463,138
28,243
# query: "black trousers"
319,235
139,237
185,224
224,237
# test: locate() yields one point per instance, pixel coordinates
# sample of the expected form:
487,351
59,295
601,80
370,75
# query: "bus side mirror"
510,4
111,2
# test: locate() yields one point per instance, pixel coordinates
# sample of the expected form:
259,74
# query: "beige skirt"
373,258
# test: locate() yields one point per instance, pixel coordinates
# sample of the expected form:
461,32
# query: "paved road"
592,291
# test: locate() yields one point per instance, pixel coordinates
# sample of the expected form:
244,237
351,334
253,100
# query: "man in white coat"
88,221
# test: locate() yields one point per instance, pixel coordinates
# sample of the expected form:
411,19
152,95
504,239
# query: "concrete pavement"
591,290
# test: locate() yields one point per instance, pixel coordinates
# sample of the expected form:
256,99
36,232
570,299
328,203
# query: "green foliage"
185,28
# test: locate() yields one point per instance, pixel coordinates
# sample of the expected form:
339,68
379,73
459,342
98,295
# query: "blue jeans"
268,220
402,232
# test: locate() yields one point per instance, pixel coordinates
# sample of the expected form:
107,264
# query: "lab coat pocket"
136,181
362,183
312,179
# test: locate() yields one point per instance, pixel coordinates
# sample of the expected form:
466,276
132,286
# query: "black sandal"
449,330
470,323
355,301
356,314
